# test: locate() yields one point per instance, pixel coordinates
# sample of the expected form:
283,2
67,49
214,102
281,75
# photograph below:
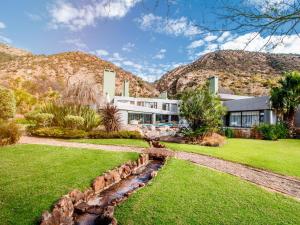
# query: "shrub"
23,121
228,132
7,103
213,140
111,118
56,132
10,133
44,119
272,132
115,134
74,122
90,116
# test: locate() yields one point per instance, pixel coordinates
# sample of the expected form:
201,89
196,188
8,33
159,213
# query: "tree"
111,118
286,98
7,104
202,109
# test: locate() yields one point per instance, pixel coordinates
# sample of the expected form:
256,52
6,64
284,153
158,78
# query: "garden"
34,177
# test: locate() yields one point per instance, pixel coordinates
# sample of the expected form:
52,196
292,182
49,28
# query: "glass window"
235,119
166,106
140,103
140,117
249,119
174,107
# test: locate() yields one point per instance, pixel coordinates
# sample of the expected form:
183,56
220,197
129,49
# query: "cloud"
66,14
101,52
128,47
33,17
160,54
78,43
265,6
210,37
196,44
276,44
175,27
2,25
5,39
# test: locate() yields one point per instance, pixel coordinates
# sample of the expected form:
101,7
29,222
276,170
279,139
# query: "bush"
228,132
111,118
56,132
44,119
90,116
272,132
115,134
74,122
7,103
10,133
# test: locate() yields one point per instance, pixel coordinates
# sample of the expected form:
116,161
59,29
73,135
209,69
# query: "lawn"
281,156
33,177
122,142
184,193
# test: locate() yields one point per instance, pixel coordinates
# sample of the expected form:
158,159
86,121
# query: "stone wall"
63,211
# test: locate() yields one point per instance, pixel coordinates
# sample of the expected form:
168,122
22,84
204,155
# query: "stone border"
63,210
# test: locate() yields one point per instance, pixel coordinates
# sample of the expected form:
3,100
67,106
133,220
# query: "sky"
143,37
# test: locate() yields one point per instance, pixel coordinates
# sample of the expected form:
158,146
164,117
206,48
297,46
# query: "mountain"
239,72
59,70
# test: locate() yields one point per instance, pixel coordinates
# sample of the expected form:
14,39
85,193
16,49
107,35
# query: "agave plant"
111,118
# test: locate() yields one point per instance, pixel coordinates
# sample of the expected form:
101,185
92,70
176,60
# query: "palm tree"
286,98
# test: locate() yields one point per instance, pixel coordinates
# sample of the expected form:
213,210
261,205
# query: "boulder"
115,175
109,180
99,184
76,196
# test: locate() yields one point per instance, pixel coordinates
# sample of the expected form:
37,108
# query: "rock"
116,176
66,206
108,179
81,208
107,217
141,185
153,174
76,196
88,194
99,184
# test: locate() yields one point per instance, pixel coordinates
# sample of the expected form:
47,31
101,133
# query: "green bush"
99,134
23,121
7,103
10,133
228,132
272,132
44,119
74,122
56,132
90,116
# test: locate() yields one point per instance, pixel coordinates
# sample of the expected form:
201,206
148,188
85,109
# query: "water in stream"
115,194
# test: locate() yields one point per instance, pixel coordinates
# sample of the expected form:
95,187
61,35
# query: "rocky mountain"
59,70
239,72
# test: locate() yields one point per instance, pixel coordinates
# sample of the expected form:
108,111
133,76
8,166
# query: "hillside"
57,71
239,72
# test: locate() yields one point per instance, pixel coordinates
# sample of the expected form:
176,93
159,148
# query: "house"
242,111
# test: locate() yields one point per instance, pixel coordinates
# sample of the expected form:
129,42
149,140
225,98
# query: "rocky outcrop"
239,72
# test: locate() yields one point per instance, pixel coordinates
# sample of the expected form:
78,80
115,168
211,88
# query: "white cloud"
210,37
160,54
2,25
5,39
289,45
77,42
265,6
101,52
196,44
75,18
174,27
128,47
224,36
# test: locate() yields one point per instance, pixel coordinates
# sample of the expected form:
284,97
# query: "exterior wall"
124,117
109,83
270,117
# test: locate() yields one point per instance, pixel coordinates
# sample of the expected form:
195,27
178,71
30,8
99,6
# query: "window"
245,119
140,103
235,119
142,118
151,105
174,107
166,106
175,118
162,118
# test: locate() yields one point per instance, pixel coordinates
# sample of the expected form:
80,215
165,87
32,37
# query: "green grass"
281,156
184,193
33,177
122,142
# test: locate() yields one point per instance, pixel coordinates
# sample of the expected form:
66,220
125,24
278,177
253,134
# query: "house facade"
242,111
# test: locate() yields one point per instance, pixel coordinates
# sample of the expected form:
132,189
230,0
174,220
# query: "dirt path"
61,143
272,181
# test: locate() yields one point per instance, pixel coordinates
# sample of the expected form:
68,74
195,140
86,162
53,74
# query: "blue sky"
145,39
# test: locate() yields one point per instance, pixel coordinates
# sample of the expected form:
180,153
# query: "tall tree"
286,98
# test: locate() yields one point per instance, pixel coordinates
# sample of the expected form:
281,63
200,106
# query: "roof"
255,103
226,97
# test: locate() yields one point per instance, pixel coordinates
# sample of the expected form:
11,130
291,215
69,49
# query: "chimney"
213,84
125,88
109,84
163,95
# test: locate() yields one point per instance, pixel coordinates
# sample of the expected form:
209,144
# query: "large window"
166,106
151,105
142,118
162,118
245,119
